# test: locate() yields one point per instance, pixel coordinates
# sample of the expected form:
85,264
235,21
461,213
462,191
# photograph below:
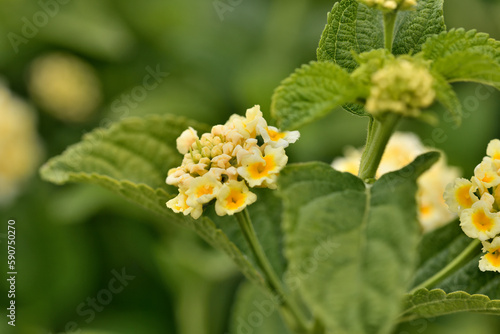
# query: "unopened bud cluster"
221,165
402,86
390,5
401,150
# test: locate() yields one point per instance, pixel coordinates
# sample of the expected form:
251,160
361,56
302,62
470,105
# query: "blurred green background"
83,64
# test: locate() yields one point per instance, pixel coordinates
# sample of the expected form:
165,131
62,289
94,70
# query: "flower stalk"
469,252
389,23
292,311
379,133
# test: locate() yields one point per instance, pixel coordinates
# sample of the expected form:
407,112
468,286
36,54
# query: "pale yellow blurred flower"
65,86
20,148
401,150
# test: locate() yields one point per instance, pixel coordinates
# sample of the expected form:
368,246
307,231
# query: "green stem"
301,324
389,23
379,133
462,258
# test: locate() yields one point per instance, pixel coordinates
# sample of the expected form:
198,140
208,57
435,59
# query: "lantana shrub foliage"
355,250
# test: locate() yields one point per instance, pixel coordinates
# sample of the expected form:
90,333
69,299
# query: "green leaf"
439,248
352,27
427,304
413,28
311,92
465,290
132,158
351,248
256,312
447,97
465,56
356,109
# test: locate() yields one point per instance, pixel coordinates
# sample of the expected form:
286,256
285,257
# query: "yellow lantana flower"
179,204
479,221
460,195
493,149
233,197
203,189
491,260
260,170
274,137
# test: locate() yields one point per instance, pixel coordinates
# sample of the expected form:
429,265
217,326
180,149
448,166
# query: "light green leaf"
465,56
351,248
352,27
427,304
311,92
447,97
132,158
256,312
414,27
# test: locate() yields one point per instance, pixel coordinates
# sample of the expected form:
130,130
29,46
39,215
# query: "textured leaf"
256,312
414,27
132,158
465,56
447,97
439,248
352,27
311,92
356,109
466,290
351,248
426,304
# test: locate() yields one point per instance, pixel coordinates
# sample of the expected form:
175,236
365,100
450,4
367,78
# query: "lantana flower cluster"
477,201
401,150
391,5
223,164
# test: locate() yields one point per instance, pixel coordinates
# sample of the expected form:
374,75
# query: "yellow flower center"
482,221
488,178
181,206
463,197
425,209
235,200
494,257
275,135
260,169
205,190
496,156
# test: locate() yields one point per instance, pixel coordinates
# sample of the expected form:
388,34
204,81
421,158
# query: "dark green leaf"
351,248
413,28
351,28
